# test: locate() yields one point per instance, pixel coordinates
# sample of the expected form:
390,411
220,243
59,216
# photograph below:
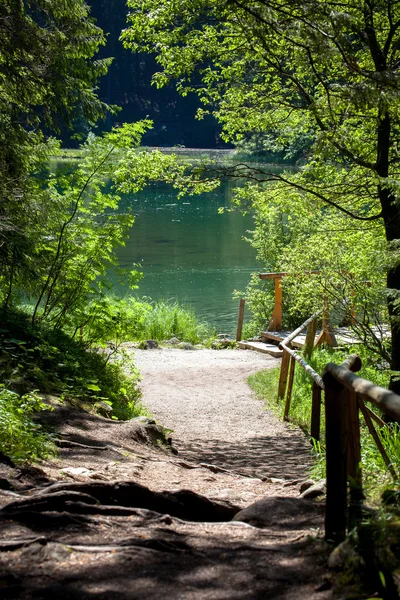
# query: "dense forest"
128,86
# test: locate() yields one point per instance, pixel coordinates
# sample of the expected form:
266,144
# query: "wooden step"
270,349
279,336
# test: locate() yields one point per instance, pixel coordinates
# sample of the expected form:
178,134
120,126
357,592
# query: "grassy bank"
37,361
134,320
375,474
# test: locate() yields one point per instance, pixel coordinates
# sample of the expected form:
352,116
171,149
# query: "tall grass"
131,319
169,319
375,473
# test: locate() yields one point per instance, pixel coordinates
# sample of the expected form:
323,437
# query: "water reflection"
186,250
190,252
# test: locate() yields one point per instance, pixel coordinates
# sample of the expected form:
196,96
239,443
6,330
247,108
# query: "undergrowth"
83,363
20,437
375,474
51,362
129,319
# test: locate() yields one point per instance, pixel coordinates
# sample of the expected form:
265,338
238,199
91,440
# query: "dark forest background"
128,85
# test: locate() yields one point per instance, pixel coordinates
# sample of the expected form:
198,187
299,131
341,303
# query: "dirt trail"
204,398
99,534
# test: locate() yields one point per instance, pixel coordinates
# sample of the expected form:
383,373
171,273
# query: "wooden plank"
289,389
279,275
316,411
299,341
283,375
240,319
376,437
270,349
278,337
336,459
375,417
272,275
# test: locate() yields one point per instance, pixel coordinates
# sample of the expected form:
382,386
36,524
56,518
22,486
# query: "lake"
189,252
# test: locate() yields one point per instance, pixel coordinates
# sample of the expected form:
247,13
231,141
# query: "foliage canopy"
327,71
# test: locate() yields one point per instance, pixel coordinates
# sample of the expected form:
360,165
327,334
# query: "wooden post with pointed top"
240,319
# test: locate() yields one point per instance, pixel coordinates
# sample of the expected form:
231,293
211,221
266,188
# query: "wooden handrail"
307,368
297,331
280,275
387,401
344,395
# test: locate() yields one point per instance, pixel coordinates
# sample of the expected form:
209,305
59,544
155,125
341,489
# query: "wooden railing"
289,359
344,393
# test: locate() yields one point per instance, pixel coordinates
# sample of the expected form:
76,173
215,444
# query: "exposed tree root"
71,444
122,498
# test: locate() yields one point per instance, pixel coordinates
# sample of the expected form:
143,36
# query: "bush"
20,437
129,319
50,361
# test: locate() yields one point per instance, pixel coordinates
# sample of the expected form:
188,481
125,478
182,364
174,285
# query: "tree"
48,74
127,84
80,227
326,70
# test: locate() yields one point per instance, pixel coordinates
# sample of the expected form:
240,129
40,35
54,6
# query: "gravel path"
203,397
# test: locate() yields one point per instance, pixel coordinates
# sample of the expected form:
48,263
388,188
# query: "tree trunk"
391,219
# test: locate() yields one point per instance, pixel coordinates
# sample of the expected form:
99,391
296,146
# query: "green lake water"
189,252
186,250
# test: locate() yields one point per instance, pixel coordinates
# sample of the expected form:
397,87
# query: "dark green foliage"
128,84
47,74
41,358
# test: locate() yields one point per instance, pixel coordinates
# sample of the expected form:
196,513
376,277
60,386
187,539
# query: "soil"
108,518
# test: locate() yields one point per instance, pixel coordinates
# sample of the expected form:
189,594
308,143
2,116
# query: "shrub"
50,361
20,437
130,319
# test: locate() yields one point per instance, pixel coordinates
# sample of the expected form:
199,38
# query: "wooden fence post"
275,323
310,339
354,459
316,411
283,374
240,320
336,422
289,389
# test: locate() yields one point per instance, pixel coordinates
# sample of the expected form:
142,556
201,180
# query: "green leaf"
92,387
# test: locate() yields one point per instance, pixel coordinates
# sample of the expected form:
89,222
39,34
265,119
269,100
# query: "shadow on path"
267,456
